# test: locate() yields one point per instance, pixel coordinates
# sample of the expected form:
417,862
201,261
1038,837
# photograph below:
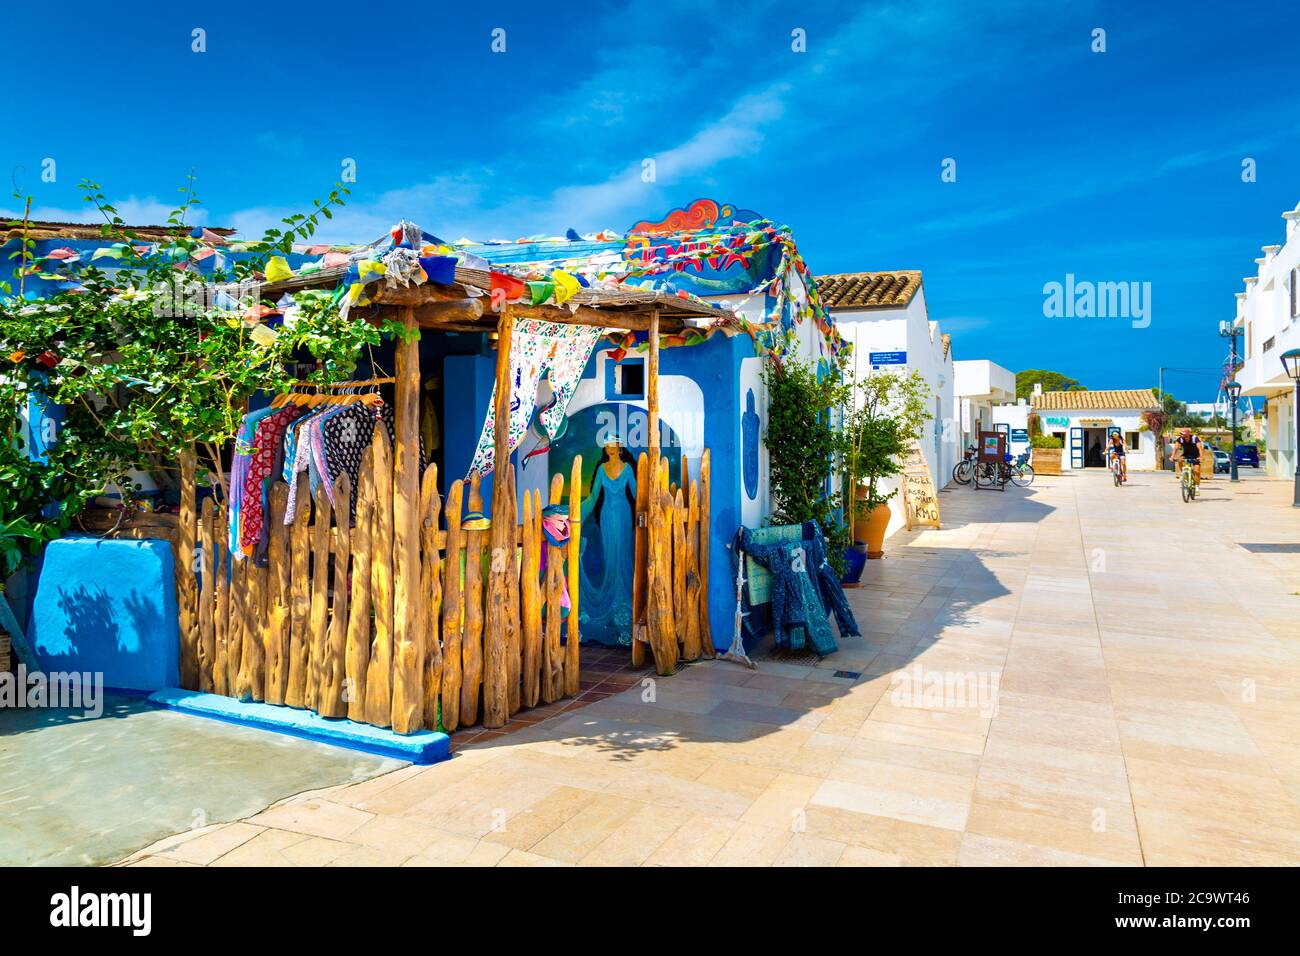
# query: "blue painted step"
423,747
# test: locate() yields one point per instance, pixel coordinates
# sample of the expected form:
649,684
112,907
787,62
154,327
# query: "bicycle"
965,469
1189,482
1022,474
1116,470
1019,473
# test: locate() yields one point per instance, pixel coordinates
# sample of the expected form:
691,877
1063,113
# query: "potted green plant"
803,447
887,413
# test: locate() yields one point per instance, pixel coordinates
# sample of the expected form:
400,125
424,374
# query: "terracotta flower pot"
870,527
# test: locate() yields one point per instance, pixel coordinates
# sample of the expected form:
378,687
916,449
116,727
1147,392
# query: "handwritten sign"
920,503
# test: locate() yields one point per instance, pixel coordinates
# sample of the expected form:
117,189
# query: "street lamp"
1291,362
1233,389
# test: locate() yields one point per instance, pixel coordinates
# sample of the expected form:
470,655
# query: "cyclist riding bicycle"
1187,447
1116,449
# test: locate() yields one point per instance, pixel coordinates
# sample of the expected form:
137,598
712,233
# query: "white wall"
909,330
1264,316
979,386
1016,418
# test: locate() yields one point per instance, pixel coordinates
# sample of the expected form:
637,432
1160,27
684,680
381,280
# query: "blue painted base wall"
715,367
108,607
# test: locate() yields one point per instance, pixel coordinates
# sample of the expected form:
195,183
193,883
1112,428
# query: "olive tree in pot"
887,413
803,445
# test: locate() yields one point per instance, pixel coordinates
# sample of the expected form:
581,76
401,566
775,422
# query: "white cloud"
133,210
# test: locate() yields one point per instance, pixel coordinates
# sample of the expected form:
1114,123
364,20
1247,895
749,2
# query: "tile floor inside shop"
606,671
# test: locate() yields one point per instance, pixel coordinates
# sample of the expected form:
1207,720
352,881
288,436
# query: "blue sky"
1115,166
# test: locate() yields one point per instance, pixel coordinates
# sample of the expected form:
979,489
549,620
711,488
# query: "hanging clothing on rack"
555,349
239,473
265,450
346,436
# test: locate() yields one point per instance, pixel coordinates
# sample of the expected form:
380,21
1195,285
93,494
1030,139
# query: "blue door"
1076,447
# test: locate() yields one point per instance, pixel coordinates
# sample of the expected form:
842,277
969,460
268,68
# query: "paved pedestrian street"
1071,674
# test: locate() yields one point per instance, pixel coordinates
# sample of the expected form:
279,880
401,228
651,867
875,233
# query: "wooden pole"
496,703
471,645
688,632
220,684
333,668
379,674
531,599
659,614
408,597
207,642
295,688
693,643
318,623
251,684
571,684
431,587
186,587
514,639
452,619
702,557
552,652
279,597
236,628
358,646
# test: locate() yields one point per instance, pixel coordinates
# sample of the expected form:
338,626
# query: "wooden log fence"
316,624
670,584
313,625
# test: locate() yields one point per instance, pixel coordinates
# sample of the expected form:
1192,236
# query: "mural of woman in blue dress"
608,550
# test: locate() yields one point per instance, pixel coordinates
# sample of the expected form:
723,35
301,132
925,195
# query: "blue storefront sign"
887,358
1020,435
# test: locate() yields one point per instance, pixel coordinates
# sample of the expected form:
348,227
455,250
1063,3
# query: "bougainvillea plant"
144,371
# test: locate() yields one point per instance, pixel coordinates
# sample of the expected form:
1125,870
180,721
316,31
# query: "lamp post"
1291,362
1228,330
1233,390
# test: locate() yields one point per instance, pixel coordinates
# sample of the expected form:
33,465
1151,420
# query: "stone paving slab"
1068,675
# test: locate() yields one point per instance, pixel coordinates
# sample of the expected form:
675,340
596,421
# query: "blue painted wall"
108,607
467,382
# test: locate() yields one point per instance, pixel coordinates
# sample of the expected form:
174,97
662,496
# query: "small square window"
629,378
1131,439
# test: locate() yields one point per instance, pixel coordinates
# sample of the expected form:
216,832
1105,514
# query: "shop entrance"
1094,447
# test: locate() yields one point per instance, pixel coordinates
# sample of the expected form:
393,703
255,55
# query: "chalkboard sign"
920,503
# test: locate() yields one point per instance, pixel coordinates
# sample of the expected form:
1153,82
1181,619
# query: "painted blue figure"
605,610
749,446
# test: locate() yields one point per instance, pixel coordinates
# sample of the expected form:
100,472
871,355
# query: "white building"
979,386
885,317
1267,317
1084,420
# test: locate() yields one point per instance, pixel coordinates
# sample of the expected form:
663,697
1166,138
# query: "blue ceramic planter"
855,559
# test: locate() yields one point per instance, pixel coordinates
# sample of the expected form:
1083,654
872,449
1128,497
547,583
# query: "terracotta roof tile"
1102,399
869,290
